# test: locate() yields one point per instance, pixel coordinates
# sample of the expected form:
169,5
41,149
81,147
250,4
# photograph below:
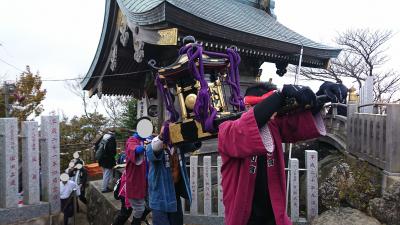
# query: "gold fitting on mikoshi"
353,97
190,100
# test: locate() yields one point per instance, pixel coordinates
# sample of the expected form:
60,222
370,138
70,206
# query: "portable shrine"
200,89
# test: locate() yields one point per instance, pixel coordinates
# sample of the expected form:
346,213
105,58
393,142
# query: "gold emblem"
168,36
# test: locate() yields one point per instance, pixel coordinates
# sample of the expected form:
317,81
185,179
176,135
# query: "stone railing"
40,185
205,181
336,125
373,137
376,137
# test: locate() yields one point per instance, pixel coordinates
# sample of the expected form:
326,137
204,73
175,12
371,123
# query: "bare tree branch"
386,85
88,105
364,52
366,44
114,108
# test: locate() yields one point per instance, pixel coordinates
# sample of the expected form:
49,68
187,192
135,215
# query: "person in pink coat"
253,175
136,181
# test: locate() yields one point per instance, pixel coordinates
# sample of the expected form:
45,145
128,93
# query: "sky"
59,38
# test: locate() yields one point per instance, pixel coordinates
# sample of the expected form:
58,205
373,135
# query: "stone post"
367,94
207,185
294,189
193,184
8,162
312,184
392,165
50,161
352,107
30,160
221,208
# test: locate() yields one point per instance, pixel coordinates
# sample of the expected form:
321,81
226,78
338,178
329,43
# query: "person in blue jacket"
168,181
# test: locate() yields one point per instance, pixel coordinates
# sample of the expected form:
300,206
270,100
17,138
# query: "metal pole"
299,66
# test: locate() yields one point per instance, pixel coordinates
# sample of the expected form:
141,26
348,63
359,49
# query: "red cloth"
239,141
254,100
122,189
136,182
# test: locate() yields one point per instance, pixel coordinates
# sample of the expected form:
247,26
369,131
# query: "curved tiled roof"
140,6
231,14
219,22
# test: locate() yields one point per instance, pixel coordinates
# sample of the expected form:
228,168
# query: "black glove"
304,95
334,92
264,110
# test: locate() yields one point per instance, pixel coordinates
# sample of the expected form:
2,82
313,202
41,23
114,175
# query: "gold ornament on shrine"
353,96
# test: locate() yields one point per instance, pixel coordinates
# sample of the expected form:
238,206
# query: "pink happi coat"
240,141
136,182
122,189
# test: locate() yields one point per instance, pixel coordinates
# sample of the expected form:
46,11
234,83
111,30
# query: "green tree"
27,97
81,129
128,119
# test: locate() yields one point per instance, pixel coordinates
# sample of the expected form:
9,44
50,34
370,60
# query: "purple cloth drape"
204,112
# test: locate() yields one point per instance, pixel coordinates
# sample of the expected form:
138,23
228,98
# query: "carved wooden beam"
123,31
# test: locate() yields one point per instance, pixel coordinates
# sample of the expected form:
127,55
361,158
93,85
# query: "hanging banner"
141,108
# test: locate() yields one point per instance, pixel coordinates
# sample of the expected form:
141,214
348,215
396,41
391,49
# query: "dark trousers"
270,222
123,214
82,197
166,218
67,207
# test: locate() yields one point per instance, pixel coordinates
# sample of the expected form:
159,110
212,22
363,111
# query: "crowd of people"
73,185
253,176
154,178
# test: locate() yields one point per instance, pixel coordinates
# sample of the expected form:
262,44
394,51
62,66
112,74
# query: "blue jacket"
162,195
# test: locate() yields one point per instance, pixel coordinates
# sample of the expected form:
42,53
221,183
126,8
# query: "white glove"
156,144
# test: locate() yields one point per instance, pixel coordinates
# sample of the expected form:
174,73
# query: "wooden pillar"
249,71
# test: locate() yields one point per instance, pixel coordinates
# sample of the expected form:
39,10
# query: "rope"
204,112
173,114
